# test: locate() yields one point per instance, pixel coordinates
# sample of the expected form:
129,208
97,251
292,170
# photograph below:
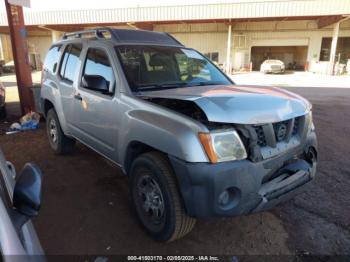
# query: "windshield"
159,67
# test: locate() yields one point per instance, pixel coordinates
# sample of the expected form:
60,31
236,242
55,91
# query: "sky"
42,5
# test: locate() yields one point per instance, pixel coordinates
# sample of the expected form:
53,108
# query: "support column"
55,35
2,57
332,61
228,52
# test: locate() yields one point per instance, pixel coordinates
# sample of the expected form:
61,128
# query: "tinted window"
51,60
97,63
70,62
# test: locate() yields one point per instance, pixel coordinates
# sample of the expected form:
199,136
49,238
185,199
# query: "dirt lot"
86,207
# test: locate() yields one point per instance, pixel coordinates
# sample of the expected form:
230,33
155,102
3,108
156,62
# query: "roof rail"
97,32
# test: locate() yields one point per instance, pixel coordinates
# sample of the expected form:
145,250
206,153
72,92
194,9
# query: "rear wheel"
156,198
59,142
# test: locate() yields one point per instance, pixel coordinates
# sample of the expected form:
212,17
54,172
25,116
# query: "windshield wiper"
161,86
153,87
206,83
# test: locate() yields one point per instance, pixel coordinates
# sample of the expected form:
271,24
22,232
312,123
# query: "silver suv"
20,200
193,144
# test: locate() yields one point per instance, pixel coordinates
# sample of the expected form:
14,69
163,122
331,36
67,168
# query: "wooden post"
18,35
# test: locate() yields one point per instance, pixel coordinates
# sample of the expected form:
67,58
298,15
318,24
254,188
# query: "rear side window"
97,63
70,62
51,60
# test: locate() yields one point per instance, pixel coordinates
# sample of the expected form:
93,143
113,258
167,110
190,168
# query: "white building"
305,34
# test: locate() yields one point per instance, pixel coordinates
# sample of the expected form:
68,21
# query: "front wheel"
156,198
59,142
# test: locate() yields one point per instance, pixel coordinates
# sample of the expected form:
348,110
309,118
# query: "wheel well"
47,106
135,149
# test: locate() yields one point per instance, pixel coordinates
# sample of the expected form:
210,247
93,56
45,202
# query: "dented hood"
239,104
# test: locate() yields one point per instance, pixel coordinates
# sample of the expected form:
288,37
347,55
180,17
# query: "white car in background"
272,66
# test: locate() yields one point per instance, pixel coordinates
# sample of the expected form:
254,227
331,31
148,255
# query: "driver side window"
97,64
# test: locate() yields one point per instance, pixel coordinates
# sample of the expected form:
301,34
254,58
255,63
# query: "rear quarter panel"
50,92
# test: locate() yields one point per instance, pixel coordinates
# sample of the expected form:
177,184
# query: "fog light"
311,155
229,198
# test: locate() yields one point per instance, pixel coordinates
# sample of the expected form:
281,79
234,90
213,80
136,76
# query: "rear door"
68,75
96,113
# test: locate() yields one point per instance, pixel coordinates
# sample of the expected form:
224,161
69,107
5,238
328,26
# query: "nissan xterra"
193,144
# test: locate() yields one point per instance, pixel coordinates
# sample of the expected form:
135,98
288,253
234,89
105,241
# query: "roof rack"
97,32
124,36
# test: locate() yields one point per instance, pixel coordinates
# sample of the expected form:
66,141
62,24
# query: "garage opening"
294,57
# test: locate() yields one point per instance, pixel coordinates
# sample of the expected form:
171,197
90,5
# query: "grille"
261,136
281,131
296,126
275,67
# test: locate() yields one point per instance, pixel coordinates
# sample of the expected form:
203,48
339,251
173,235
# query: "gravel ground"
86,207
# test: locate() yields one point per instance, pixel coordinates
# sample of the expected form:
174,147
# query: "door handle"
78,97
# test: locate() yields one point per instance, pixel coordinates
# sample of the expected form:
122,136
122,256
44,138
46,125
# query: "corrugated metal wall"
278,8
213,37
205,42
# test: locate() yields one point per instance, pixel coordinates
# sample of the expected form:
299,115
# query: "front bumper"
244,187
275,71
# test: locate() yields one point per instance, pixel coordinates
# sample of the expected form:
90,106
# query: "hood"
239,104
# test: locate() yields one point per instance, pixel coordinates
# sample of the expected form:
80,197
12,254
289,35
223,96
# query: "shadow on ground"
86,206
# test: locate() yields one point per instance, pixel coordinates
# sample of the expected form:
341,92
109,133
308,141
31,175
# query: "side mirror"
96,83
27,191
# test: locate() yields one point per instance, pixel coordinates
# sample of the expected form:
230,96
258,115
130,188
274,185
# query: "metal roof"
236,10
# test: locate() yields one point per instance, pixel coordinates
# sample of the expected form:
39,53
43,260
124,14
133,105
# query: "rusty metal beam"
18,35
144,26
328,20
77,27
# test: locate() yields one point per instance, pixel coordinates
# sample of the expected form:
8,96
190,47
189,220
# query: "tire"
59,142
153,172
3,112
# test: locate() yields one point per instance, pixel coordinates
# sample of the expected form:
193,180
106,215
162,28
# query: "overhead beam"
328,20
144,26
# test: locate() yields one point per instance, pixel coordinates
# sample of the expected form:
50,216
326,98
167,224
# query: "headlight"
223,146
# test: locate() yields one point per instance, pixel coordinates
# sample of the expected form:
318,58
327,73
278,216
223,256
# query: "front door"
96,119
